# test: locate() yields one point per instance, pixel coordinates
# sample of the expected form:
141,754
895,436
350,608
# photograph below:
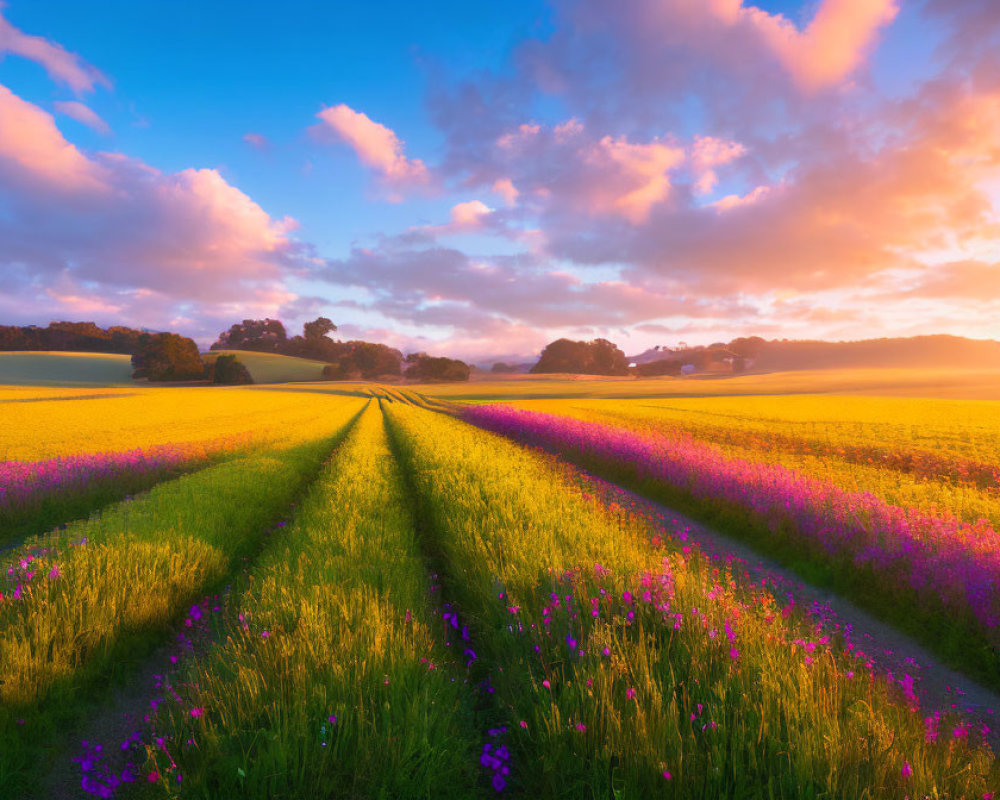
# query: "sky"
476,179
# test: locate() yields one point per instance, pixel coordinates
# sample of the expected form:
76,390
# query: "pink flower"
197,711
630,693
667,775
734,654
907,770
546,684
581,727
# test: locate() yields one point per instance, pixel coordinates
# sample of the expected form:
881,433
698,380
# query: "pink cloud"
707,153
83,114
641,173
469,214
830,48
506,189
62,66
256,140
106,228
376,145
31,146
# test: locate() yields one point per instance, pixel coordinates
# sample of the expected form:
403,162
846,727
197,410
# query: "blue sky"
491,176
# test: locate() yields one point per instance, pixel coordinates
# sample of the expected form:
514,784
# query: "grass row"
332,680
625,674
80,605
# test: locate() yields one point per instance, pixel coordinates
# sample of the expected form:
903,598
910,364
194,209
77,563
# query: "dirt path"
937,687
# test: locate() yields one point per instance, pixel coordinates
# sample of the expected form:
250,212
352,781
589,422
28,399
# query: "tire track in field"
490,717
119,709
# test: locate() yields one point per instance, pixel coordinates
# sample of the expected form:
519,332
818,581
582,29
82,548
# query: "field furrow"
81,605
337,677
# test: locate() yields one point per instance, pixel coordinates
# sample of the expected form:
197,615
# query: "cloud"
443,286
376,146
469,214
506,189
256,140
84,229
830,48
707,153
62,66
32,150
83,114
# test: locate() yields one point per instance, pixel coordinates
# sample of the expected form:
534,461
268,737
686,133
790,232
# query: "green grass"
65,369
514,536
275,368
106,589
343,596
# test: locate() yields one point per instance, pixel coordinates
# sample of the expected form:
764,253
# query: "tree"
423,367
167,357
261,335
599,357
503,367
229,370
318,328
84,337
372,359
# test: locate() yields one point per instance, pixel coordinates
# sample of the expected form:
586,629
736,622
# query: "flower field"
376,593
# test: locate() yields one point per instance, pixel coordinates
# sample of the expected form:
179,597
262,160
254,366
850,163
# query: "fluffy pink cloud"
469,214
829,49
61,65
598,176
707,153
83,114
507,190
32,149
640,176
81,230
376,145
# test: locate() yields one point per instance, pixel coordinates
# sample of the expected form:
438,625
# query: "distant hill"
937,352
65,369
274,368
947,352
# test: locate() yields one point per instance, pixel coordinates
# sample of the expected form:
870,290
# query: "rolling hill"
65,369
274,368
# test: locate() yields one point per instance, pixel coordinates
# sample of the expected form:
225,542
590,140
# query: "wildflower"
581,727
546,684
907,770
197,711
524,724
630,693
332,719
734,654
54,573
667,775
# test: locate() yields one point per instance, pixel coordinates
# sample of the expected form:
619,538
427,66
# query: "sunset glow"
479,181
